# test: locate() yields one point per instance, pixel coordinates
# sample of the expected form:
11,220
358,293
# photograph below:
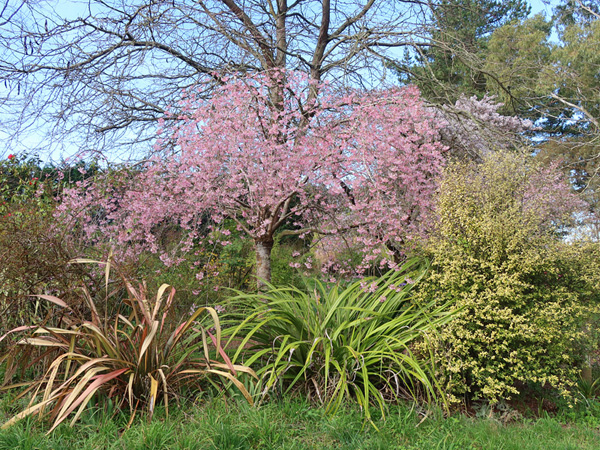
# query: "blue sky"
538,6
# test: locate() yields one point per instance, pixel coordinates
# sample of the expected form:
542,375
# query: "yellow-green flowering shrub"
523,292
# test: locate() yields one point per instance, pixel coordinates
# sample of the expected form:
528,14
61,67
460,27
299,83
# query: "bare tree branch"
97,74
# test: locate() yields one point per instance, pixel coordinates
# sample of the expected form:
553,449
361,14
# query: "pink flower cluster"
474,128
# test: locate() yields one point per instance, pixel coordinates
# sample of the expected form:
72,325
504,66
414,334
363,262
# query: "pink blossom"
356,168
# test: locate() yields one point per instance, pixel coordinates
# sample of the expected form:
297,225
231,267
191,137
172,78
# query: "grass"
295,424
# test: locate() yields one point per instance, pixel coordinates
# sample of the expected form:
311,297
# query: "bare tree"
98,73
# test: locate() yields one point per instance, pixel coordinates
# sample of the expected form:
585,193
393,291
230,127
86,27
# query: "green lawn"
297,425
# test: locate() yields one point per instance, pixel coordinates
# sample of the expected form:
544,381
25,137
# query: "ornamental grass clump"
336,343
136,358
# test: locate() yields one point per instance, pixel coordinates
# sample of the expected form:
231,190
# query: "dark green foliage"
22,176
282,274
450,64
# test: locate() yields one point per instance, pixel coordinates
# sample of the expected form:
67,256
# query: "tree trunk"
263,262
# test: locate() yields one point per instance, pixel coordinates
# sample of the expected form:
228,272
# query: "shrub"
34,253
136,357
522,294
340,342
34,261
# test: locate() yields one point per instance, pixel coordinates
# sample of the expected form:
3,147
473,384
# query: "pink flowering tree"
361,163
474,129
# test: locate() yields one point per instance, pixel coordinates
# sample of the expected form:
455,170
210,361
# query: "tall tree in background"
450,61
574,73
517,53
486,47
573,82
558,83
